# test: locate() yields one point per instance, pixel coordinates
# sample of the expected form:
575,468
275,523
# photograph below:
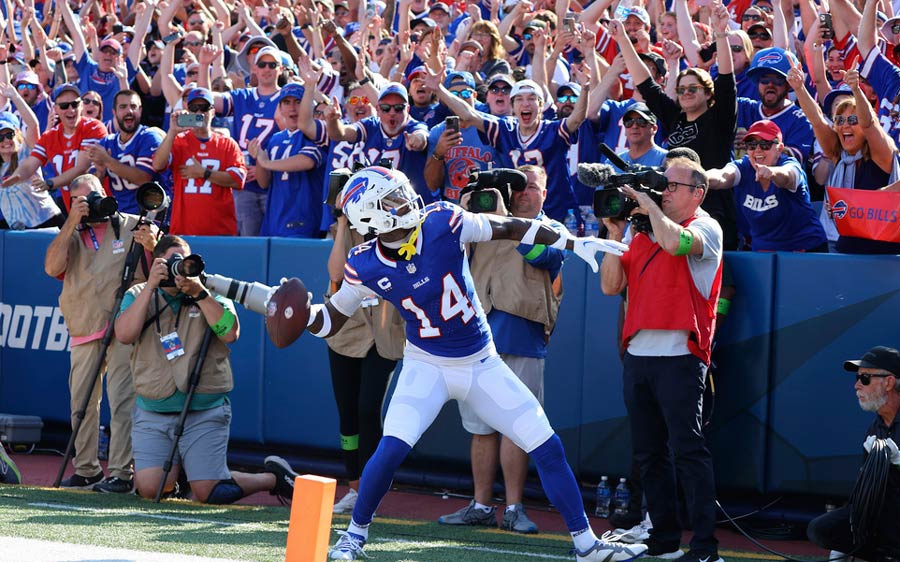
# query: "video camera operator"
673,275
518,286
89,255
166,319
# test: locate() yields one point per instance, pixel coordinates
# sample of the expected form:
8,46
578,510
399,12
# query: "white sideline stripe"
130,513
32,550
470,548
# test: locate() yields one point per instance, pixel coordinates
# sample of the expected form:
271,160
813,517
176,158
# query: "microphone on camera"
595,175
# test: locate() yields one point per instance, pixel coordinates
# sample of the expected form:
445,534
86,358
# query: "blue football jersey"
136,153
377,145
340,155
459,161
254,117
294,200
795,127
547,148
104,83
885,80
433,291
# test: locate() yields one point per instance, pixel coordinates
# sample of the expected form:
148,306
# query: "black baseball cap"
879,357
641,109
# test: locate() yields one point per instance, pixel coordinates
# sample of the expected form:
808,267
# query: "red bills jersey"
61,151
201,207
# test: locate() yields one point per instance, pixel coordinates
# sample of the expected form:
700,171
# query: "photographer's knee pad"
225,492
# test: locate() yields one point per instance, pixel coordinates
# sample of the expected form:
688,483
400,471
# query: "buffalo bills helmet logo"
839,209
354,191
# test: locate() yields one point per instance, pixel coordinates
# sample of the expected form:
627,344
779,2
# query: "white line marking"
432,543
130,513
32,550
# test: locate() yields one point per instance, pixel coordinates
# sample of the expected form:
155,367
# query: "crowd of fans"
241,109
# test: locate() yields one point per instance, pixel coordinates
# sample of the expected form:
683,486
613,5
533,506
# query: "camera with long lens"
253,295
610,202
152,199
100,208
482,183
185,266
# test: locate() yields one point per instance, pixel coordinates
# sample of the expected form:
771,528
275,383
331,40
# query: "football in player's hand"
287,313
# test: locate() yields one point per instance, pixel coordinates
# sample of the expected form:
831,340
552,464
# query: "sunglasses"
759,35
772,81
866,379
851,120
737,48
397,107
764,145
378,52
672,186
26,86
895,28
195,22
567,99
193,43
639,121
692,89
89,101
464,94
199,108
527,36
500,90
264,64
751,17
354,100
67,104
7,136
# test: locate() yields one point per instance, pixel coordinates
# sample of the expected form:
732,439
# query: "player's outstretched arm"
535,232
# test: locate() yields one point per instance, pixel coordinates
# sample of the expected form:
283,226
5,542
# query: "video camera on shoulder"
185,266
504,180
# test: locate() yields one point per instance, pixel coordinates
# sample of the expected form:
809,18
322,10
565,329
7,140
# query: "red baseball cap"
764,129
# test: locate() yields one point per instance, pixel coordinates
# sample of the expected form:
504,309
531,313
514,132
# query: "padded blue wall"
786,418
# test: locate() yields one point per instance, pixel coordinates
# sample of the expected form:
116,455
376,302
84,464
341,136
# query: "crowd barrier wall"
785,416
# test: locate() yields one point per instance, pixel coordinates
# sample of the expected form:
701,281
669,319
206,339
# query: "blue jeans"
250,208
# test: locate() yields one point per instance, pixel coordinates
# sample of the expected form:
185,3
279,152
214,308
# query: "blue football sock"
377,476
559,483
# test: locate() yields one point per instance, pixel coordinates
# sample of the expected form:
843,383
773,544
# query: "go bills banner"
874,215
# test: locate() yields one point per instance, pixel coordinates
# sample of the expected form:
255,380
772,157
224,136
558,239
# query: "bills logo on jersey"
839,209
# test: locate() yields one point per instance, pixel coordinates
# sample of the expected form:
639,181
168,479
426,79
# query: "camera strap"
159,312
117,227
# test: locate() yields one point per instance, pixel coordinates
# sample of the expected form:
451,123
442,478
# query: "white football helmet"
378,200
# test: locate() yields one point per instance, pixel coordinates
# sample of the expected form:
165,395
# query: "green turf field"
250,533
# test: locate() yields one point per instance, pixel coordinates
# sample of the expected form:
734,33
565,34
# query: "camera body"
190,119
610,202
100,207
185,266
504,180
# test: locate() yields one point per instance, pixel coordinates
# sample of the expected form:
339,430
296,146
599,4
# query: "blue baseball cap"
575,87
832,96
63,88
351,28
394,88
459,78
200,94
774,60
9,121
292,90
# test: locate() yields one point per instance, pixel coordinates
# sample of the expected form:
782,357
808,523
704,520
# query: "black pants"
664,397
831,531
359,386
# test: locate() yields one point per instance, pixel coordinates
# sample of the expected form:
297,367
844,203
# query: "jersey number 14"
454,302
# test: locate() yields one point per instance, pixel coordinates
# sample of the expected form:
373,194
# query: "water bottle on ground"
103,444
571,223
623,497
603,498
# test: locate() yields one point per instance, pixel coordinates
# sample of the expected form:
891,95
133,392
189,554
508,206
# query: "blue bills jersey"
433,291
294,199
795,127
136,153
377,145
548,148
254,117
884,78
340,155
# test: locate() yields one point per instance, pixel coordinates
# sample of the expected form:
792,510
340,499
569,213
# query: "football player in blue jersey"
286,166
528,138
417,261
126,157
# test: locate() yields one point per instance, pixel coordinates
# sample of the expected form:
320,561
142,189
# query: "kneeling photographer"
167,319
673,272
520,288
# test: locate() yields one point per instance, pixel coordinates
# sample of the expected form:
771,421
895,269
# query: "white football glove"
895,452
585,248
870,440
